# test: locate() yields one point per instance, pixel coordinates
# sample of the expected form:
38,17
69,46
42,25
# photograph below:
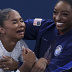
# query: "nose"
58,17
21,24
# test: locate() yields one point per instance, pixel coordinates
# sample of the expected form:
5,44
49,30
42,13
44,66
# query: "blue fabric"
44,35
65,68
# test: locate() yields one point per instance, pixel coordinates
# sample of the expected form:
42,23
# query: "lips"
21,31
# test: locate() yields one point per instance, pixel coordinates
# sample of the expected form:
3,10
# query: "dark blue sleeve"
61,60
66,68
31,31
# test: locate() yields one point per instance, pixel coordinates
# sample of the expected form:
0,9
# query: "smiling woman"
63,16
53,38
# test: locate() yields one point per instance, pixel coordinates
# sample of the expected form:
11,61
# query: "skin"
40,65
63,14
14,24
13,31
10,34
29,60
9,37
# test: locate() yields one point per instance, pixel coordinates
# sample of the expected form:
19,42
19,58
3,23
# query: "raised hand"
29,60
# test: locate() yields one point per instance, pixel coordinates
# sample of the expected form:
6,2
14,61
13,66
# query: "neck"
8,44
63,31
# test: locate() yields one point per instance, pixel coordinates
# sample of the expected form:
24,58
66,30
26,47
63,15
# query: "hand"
8,63
29,58
28,55
25,50
40,65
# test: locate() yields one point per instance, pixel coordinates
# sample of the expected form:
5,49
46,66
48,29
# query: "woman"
53,38
12,29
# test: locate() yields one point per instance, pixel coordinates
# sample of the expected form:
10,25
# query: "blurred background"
31,9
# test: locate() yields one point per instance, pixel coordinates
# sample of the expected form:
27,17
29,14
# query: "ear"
2,30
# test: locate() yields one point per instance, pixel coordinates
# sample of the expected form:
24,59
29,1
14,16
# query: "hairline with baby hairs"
67,1
4,15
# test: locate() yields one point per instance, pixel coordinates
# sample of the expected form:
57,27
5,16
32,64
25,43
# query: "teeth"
60,23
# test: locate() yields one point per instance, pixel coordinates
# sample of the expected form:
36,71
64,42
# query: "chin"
20,37
60,29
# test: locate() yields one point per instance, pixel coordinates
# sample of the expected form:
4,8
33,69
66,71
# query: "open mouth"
21,32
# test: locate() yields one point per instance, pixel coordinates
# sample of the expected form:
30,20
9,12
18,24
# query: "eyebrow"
63,10
15,19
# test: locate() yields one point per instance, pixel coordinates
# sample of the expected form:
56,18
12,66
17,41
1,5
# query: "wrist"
26,66
46,61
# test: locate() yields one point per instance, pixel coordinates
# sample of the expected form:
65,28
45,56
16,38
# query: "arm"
32,31
40,65
56,62
29,59
67,67
61,60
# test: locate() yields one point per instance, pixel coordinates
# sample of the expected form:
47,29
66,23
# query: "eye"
65,14
14,22
54,12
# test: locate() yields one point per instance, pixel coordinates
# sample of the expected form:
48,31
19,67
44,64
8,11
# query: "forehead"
14,15
63,6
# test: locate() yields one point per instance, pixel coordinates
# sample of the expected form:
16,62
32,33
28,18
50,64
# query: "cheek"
11,28
54,17
16,25
23,24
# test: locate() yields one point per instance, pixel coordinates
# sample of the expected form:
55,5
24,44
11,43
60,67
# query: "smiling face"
62,16
14,26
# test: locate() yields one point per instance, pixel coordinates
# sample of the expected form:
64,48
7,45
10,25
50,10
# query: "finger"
5,63
5,57
28,50
39,69
31,53
23,50
1,66
6,68
42,70
34,69
3,60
